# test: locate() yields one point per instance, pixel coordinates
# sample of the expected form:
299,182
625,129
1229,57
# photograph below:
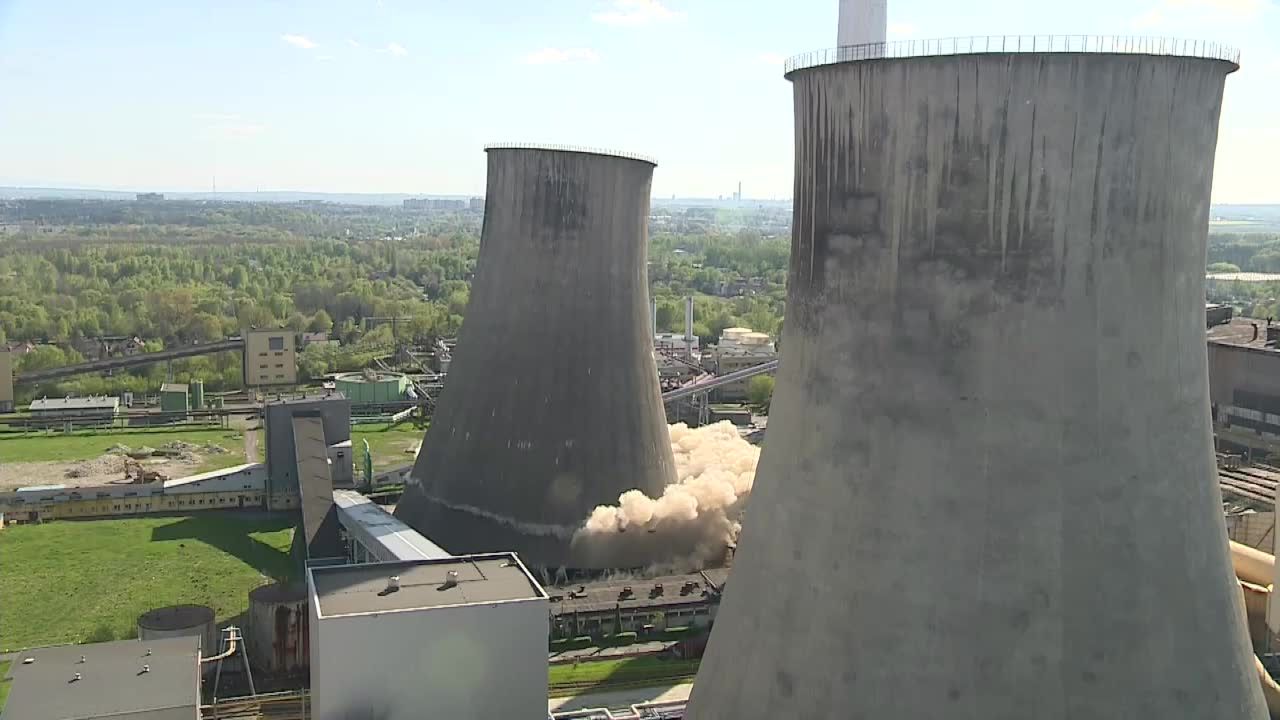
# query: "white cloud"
551,56
396,49
300,41
353,43
772,58
637,12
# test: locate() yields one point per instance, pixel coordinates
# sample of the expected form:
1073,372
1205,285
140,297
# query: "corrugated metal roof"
173,388
381,532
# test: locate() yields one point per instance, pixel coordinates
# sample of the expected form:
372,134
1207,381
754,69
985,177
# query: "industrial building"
175,398
639,604
75,411
472,629
963,428
371,387
369,533
334,412
155,679
270,358
526,438
1244,386
738,349
233,488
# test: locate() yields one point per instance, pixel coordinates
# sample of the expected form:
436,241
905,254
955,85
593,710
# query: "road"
251,444
620,699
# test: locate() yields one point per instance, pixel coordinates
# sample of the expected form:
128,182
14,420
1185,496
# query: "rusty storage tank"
181,621
277,629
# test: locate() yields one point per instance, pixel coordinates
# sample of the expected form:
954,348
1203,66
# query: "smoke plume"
691,525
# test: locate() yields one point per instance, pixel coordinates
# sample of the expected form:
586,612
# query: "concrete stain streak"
552,405
986,492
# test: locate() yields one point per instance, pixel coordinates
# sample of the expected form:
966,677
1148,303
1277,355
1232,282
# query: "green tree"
321,322
760,392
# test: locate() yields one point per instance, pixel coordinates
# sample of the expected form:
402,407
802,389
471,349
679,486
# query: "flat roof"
173,387
76,403
606,594
112,681
481,579
1241,332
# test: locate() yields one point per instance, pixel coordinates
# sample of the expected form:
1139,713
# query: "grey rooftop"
363,589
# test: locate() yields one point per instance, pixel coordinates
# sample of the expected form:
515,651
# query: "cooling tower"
551,406
988,490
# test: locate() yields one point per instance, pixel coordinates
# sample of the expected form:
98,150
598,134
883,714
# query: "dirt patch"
174,459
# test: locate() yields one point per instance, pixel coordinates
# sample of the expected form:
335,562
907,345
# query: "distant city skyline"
400,96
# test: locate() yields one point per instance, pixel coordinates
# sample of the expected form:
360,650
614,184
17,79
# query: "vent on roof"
393,583
450,579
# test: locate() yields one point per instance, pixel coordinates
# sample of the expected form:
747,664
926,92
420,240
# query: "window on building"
279,365
115,507
276,342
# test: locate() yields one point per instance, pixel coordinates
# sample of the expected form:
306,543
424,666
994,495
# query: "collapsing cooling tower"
988,489
552,405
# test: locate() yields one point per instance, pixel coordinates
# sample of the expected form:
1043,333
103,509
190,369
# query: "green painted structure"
174,398
197,394
370,387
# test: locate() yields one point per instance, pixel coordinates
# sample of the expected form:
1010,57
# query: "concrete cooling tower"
552,404
988,490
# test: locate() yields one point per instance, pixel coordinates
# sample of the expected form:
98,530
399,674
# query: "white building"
461,637
740,348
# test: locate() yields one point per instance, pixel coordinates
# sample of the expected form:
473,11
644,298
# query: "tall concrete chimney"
862,22
688,325
552,405
988,489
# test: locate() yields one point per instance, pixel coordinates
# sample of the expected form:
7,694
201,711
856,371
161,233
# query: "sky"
400,96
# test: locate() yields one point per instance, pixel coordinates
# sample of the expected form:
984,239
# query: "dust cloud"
690,526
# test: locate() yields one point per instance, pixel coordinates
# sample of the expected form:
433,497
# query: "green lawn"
85,445
4,683
637,671
78,581
387,443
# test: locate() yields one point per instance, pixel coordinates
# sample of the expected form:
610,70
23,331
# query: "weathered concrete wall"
987,490
552,405
862,22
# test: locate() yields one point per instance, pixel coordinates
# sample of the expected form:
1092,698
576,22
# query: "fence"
570,148
973,45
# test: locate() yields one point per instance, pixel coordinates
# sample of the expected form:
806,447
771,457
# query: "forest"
186,272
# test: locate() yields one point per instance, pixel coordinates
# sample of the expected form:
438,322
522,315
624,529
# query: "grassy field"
639,671
388,444
85,445
78,581
4,683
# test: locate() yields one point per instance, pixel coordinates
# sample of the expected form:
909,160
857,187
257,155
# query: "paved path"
251,444
620,699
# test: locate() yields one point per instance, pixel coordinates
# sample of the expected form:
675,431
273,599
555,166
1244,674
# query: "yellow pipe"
1252,565
1270,690
231,648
